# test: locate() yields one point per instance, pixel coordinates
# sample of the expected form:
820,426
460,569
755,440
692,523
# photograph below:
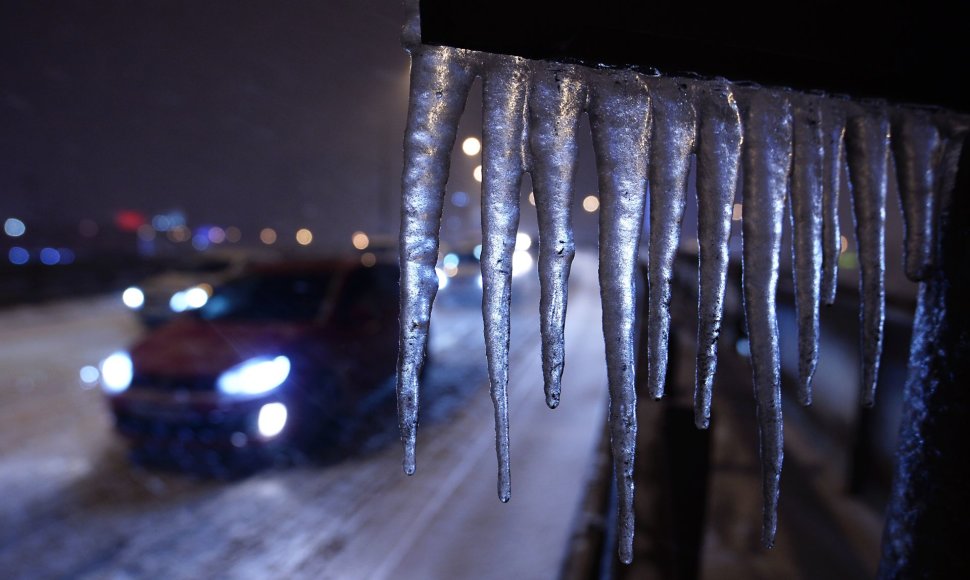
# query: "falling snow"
790,148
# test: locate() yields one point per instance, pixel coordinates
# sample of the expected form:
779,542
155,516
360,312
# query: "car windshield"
290,296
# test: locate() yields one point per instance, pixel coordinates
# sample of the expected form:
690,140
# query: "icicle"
918,151
767,162
440,80
556,100
718,155
619,119
867,142
505,89
806,222
674,133
954,130
833,138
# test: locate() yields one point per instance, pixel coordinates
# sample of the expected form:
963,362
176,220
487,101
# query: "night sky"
253,114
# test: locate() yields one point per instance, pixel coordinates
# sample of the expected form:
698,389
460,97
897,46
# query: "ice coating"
867,152
806,224
556,101
505,91
718,156
642,127
674,135
619,109
766,156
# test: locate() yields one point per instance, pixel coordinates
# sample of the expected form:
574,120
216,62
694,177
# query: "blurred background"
198,326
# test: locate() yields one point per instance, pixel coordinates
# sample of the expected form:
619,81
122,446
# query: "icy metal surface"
645,130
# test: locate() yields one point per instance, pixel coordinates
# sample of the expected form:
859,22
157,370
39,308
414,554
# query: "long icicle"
440,80
556,100
505,90
718,156
806,223
619,111
867,151
767,165
673,138
918,152
833,140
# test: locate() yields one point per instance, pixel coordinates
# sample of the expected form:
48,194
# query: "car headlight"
271,419
190,299
255,376
116,372
133,297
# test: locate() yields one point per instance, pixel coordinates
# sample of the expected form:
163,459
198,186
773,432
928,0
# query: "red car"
287,354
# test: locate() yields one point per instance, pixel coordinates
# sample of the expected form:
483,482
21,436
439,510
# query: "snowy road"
73,506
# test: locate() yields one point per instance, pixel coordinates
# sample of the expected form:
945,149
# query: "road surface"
74,506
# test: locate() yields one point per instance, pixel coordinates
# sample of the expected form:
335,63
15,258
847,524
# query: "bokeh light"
50,257
233,234
368,259
14,228
591,203
360,240
146,233
304,236
477,173
18,256
267,236
471,146
217,235
738,211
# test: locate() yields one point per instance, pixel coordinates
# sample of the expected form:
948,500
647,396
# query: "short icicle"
619,119
440,81
833,142
673,138
556,101
806,224
766,156
505,87
918,153
718,156
867,151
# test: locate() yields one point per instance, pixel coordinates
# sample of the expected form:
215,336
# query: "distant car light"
271,419
116,372
442,278
256,376
133,298
178,302
196,297
523,241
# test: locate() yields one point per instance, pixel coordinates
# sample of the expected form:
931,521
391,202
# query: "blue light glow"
50,257
256,376
14,227
18,256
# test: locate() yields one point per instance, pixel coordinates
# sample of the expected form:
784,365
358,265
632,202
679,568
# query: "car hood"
198,348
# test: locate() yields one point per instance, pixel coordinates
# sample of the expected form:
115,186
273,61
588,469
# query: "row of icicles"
788,146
